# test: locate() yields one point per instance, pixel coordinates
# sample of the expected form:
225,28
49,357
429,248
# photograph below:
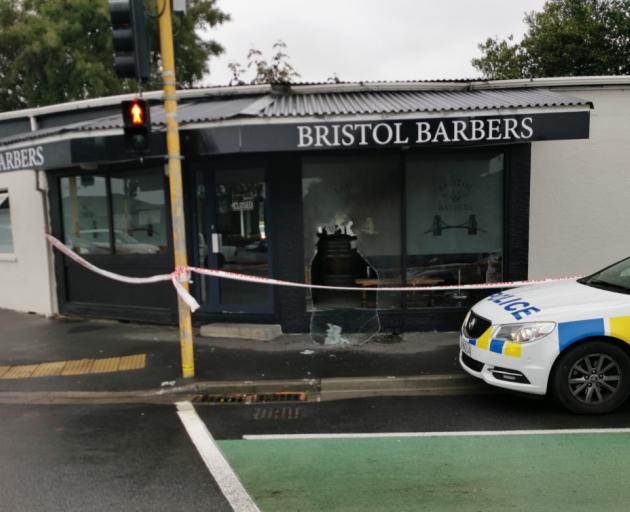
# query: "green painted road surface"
557,472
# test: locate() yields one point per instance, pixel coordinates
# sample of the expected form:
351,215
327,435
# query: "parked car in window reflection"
96,241
253,253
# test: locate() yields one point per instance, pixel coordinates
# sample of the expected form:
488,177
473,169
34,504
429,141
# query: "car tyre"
592,378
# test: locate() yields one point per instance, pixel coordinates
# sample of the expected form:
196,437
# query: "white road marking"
219,468
470,433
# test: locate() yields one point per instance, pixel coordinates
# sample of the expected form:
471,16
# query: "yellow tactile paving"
74,367
78,367
49,369
108,365
20,372
132,362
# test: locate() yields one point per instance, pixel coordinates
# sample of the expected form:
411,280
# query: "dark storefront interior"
394,219
363,219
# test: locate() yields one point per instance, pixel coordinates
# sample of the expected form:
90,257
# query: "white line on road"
219,468
438,434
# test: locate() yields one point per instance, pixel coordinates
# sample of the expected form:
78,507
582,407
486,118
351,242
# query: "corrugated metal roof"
297,105
187,113
196,112
352,103
393,102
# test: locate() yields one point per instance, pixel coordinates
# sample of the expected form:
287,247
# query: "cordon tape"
183,274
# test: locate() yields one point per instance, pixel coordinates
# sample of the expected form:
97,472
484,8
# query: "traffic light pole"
175,178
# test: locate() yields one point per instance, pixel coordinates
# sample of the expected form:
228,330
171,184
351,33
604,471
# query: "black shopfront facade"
362,202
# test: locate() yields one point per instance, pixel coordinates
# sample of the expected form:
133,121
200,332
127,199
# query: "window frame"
5,197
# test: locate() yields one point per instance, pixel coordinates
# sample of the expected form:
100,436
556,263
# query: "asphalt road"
100,458
89,457
495,412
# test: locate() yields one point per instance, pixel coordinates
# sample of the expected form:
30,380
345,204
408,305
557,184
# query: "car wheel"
592,378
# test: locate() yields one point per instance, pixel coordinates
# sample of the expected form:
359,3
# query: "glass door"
234,237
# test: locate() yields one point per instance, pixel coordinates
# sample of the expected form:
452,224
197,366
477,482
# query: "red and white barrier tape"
182,274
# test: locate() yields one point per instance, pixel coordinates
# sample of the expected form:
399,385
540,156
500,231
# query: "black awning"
317,121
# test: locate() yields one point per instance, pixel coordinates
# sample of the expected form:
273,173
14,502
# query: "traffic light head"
129,35
137,125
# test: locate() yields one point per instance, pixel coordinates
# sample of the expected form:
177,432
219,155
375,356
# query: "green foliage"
502,59
275,71
568,38
53,51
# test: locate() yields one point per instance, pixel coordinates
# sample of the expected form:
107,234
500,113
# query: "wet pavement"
31,339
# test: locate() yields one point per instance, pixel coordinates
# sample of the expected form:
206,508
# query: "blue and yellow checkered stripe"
568,333
487,342
571,332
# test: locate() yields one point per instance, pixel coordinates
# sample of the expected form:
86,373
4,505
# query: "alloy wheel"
594,379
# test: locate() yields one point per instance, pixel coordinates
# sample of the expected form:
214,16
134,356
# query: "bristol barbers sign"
417,132
480,130
420,132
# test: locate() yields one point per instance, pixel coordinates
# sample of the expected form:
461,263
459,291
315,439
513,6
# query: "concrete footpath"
92,358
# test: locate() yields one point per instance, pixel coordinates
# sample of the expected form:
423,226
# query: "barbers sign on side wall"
23,158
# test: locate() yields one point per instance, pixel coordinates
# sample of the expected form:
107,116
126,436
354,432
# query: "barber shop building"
353,184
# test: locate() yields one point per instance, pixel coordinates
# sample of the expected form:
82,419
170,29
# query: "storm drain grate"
277,413
248,398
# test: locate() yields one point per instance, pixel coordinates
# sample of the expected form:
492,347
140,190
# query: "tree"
61,50
276,70
568,38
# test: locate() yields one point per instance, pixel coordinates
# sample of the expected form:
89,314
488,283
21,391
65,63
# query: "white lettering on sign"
441,132
26,158
306,139
399,139
242,206
424,132
383,134
418,132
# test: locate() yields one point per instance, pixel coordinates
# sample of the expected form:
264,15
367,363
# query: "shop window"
352,229
122,214
139,213
454,225
6,235
85,214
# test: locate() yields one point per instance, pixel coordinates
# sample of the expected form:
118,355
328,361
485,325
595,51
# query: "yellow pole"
175,178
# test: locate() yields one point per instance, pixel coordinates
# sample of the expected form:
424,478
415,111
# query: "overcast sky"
368,39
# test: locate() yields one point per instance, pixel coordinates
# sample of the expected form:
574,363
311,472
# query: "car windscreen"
615,278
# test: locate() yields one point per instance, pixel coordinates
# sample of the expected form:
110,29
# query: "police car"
570,339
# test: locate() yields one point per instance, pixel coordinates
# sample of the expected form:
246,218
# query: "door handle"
217,243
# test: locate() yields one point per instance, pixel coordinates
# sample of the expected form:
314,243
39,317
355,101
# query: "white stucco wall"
580,193
25,277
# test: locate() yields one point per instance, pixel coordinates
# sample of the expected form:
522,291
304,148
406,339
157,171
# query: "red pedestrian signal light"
137,125
137,114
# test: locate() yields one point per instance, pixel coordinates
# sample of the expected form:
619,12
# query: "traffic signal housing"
130,38
137,126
